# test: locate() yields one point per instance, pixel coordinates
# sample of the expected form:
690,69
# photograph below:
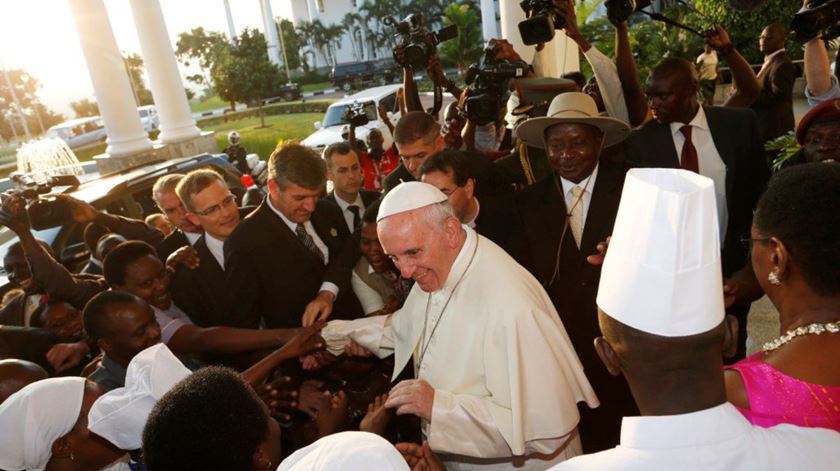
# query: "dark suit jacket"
270,275
200,292
737,139
774,105
174,241
12,313
541,210
368,197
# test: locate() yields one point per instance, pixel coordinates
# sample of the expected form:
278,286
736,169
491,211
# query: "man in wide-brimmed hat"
561,220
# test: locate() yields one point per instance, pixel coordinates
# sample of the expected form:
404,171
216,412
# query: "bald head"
15,374
671,89
772,39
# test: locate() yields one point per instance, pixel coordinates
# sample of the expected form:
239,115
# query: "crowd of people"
566,287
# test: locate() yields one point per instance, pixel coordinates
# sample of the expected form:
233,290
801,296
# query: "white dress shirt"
216,248
606,74
348,215
587,185
715,439
170,321
325,286
708,159
369,298
192,237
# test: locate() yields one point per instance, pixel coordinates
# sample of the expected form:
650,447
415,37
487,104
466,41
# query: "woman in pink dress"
795,241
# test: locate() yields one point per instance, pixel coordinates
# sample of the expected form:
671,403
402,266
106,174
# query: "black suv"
351,75
127,193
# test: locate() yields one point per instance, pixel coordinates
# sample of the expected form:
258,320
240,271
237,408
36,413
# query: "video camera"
618,11
491,78
356,114
418,43
820,17
541,21
44,211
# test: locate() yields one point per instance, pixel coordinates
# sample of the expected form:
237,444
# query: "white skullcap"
346,451
662,272
120,415
35,417
409,196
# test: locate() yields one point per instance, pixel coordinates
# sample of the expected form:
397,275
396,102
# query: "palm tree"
350,25
466,48
332,35
308,34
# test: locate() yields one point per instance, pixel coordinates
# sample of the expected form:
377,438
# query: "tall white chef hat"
662,272
409,196
120,415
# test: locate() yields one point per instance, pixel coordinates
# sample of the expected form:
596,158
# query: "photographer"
821,85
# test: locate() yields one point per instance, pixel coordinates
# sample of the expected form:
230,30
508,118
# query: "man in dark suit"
723,144
774,105
345,171
200,291
185,233
449,172
417,137
291,259
560,221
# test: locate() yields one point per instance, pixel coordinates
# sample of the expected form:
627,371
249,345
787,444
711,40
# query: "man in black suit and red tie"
774,105
720,143
559,221
289,262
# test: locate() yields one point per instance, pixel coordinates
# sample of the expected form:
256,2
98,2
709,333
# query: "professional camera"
490,83
418,43
618,11
356,115
541,21
820,17
44,211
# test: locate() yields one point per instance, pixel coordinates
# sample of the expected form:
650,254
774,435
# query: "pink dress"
776,398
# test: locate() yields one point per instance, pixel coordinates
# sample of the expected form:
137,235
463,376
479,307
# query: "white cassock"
715,439
507,380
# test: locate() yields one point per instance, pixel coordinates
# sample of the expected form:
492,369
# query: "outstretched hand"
280,396
186,256
420,457
13,213
307,341
717,38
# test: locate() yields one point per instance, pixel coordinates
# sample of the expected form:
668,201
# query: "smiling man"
289,262
497,379
561,220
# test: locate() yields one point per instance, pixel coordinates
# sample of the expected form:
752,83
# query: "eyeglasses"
214,210
747,241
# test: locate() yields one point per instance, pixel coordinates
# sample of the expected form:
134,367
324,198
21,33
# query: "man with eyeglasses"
210,205
186,232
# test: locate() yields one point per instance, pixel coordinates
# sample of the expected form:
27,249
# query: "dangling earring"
72,458
773,278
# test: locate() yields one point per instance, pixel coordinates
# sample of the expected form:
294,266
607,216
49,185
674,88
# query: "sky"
40,37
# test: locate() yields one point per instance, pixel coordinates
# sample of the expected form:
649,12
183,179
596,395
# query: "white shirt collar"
344,205
699,121
192,237
457,269
95,261
714,425
585,183
292,225
216,248
771,56
471,223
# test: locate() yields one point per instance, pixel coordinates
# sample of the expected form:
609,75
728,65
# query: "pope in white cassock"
498,381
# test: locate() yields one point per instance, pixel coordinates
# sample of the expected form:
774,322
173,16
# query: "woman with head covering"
214,420
44,426
795,255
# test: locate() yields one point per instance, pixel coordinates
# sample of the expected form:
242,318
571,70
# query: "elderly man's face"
573,149
822,143
420,250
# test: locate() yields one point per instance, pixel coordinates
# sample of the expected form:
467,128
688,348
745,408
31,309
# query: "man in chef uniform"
497,378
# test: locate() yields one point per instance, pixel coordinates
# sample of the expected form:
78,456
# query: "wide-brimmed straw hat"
572,107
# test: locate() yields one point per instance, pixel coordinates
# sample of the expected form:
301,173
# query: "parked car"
128,193
291,92
79,132
329,129
351,75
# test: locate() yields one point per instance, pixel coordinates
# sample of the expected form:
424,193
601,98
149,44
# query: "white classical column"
557,57
105,65
176,122
488,20
231,29
271,37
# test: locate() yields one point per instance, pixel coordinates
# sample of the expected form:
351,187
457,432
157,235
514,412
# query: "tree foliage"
244,73
31,109
84,108
201,46
134,66
467,46
291,41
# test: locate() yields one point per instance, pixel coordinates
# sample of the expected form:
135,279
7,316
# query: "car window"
390,102
335,114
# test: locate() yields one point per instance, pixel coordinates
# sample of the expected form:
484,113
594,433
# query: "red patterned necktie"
688,157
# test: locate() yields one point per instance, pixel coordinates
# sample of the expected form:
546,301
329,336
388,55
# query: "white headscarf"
35,417
346,451
120,415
